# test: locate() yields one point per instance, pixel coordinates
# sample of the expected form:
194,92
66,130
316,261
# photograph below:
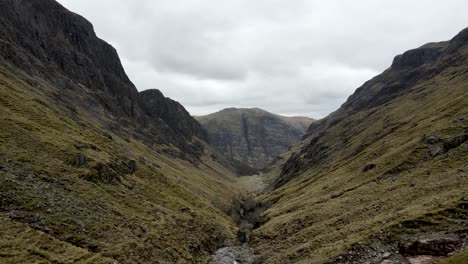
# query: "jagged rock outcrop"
173,113
253,137
417,57
42,38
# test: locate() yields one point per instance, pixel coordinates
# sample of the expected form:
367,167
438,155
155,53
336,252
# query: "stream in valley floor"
243,254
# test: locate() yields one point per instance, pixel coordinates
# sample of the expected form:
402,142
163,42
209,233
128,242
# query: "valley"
243,253
94,171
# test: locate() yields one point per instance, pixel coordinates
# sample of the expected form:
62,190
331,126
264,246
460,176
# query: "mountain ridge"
385,172
45,39
252,136
407,69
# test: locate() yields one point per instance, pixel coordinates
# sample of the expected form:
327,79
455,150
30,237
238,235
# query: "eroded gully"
246,212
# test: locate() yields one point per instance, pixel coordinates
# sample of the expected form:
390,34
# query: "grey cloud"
289,57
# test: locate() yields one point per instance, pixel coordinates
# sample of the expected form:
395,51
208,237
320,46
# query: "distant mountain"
252,137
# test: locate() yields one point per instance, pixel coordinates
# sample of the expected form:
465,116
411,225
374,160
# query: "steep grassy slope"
90,173
21,244
365,180
162,212
253,137
45,40
457,259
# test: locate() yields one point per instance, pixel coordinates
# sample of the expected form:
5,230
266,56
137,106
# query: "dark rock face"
432,247
173,113
459,40
454,142
252,136
409,69
291,168
406,71
44,40
313,153
438,146
417,57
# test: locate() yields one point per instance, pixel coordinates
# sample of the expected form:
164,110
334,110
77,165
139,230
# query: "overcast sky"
291,57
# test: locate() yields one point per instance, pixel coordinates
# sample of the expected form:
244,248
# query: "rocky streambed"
234,255
247,213
241,254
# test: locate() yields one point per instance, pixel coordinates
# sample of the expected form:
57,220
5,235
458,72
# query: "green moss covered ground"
63,211
336,203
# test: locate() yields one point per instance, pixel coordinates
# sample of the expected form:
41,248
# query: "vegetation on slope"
22,244
370,174
92,173
457,259
161,211
84,166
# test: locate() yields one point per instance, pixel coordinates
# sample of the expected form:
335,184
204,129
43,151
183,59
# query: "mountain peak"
172,112
252,136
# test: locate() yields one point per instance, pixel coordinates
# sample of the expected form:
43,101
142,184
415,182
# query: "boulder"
429,139
437,146
435,150
431,247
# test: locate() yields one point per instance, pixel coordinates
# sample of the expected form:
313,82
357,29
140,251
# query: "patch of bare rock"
234,255
422,249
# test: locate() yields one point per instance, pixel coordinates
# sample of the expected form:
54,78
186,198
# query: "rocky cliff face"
44,39
252,136
172,113
41,38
